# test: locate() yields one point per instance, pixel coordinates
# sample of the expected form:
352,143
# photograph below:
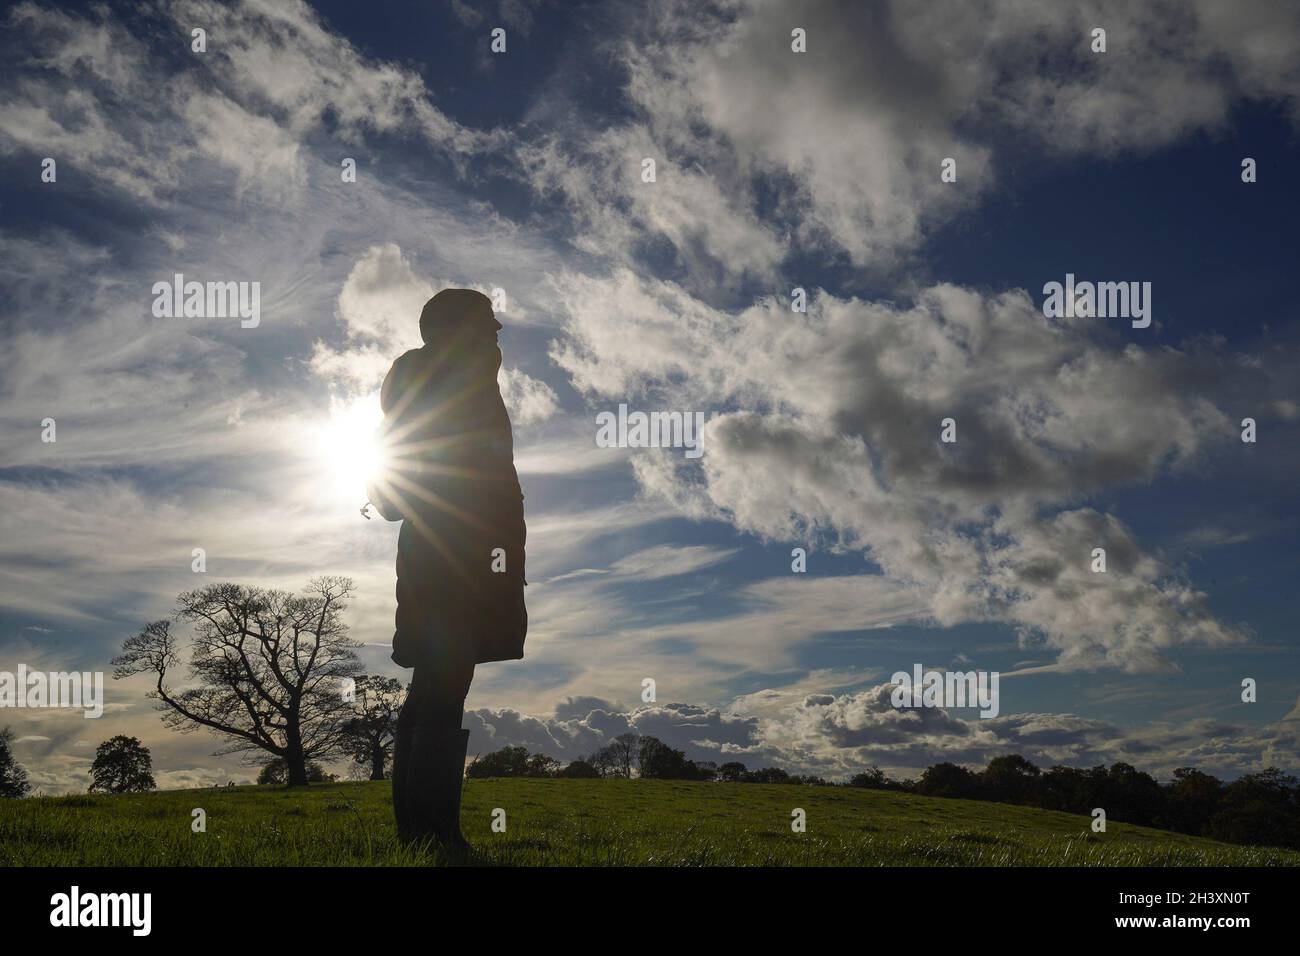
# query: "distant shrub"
277,772
506,762
580,770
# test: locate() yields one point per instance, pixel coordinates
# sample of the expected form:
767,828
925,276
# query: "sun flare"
350,444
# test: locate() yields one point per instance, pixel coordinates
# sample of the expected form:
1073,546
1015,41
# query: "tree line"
627,755
1261,809
1257,809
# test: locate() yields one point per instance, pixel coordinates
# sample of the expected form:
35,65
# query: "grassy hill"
588,822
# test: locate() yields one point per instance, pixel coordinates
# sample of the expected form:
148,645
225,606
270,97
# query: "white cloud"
282,54
380,307
263,155
1046,414
666,561
529,400
840,147
110,106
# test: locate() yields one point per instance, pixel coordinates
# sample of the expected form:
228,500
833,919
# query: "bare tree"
267,669
603,760
623,751
368,734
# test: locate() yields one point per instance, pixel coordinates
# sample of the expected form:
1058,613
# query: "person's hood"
454,312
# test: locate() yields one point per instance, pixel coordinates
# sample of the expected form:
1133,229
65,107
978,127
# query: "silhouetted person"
451,481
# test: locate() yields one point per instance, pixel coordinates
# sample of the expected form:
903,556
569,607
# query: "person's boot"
433,786
401,777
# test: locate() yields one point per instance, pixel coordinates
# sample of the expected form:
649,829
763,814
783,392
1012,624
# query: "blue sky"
521,171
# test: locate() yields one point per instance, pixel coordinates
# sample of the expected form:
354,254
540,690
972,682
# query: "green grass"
588,823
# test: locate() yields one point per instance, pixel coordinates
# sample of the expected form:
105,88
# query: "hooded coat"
451,480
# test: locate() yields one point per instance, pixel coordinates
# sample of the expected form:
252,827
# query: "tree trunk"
377,763
294,759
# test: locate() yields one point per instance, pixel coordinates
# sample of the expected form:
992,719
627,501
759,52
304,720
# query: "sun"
350,444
